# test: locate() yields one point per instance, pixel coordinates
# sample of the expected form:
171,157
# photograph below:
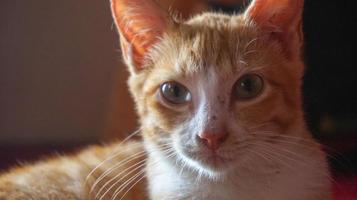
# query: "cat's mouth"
215,162
209,161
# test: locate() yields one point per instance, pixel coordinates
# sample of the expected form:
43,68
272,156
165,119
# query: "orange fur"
191,52
65,177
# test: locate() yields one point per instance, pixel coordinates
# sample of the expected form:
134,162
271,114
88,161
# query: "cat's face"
213,86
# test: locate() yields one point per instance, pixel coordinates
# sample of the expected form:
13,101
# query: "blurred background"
63,86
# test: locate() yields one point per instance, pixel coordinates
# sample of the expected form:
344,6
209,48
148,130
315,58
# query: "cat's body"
219,101
67,177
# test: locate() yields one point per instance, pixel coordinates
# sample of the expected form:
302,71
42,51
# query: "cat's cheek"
164,117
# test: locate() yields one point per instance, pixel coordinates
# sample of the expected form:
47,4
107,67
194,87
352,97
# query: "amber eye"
248,87
175,93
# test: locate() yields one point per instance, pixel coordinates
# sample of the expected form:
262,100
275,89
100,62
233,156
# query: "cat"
220,107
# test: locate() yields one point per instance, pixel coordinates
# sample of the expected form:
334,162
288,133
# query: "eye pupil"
247,84
176,91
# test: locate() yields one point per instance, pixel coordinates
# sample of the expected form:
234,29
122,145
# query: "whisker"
285,150
112,156
276,155
137,166
274,134
126,183
269,159
250,43
289,153
270,134
271,147
261,125
287,139
305,143
297,156
132,187
119,164
130,136
250,52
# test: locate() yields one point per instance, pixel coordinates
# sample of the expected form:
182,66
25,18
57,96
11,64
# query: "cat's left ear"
281,20
140,23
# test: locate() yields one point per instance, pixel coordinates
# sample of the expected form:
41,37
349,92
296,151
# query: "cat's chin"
212,165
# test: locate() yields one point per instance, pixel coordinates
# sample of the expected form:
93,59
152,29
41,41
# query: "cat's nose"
213,139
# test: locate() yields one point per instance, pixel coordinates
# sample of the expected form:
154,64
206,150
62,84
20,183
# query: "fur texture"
268,153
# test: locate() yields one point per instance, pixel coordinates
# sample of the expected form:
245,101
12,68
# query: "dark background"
330,81
62,83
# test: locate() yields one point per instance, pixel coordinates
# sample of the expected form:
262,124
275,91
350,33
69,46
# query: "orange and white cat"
219,100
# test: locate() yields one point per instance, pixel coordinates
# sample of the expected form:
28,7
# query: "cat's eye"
175,93
248,87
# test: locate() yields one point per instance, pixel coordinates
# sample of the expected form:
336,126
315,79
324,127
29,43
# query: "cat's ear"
140,24
280,20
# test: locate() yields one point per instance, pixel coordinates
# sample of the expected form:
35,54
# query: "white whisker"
117,165
111,157
126,183
137,166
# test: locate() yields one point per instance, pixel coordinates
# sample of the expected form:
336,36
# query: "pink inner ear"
276,14
141,23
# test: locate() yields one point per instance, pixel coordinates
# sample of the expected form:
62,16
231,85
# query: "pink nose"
213,140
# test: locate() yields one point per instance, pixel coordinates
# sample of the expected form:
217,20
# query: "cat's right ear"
140,24
280,19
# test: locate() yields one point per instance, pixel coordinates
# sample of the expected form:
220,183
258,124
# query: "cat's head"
211,86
